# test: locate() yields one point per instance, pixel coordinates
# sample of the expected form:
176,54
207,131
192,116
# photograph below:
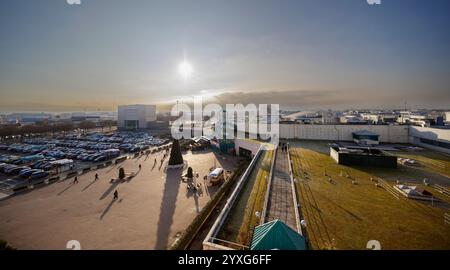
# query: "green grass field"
343,215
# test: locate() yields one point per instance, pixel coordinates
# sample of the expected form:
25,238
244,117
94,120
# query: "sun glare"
185,69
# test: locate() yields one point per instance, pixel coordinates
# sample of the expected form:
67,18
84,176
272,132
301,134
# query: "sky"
311,54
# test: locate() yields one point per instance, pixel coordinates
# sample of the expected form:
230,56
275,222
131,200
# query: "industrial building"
138,116
433,138
365,137
362,157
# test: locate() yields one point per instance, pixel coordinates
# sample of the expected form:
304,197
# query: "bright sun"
185,69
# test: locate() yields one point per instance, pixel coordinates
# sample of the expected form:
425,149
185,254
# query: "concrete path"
281,202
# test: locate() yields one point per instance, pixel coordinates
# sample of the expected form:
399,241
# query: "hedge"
5,246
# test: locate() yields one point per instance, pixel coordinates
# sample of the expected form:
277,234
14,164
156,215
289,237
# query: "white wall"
435,134
388,133
150,113
247,144
430,133
334,154
142,113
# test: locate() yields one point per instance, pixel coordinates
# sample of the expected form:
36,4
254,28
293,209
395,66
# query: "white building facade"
136,116
433,138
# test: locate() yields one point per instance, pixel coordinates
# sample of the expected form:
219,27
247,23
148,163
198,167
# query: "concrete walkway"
281,202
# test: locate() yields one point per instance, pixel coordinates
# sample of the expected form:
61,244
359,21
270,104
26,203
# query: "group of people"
75,179
284,146
116,193
196,188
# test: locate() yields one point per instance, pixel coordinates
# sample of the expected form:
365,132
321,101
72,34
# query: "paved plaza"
152,208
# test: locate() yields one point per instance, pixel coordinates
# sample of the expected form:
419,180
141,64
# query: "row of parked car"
117,137
43,164
100,141
23,148
5,158
59,152
22,171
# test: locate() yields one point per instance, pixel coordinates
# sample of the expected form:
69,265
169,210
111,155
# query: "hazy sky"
312,53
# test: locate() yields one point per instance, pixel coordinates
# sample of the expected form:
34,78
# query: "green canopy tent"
277,235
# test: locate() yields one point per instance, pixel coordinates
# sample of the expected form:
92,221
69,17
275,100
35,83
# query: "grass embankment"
241,220
344,215
255,201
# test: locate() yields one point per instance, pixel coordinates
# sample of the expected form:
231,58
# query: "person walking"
75,180
140,166
96,176
116,195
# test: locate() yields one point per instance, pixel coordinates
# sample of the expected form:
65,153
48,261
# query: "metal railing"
447,218
294,193
442,190
239,246
269,182
389,188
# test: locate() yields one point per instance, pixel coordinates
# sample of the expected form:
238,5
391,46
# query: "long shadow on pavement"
109,207
168,204
190,193
111,188
64,190
90,184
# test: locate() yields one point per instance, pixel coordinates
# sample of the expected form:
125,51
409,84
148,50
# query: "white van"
216,176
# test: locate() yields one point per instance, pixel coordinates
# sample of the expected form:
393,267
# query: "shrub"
121,173
5,246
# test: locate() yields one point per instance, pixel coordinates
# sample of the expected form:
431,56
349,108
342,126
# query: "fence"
447,218
269,182
229,243
389,188
297,208
442,190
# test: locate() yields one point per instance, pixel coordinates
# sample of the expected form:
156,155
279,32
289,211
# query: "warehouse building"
433,138
362,157
138,116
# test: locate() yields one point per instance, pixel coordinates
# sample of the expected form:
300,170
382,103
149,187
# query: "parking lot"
152,208
35,159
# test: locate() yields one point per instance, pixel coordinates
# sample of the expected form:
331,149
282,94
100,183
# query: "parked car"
27,172
100,158
3,166
39,174
14,170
